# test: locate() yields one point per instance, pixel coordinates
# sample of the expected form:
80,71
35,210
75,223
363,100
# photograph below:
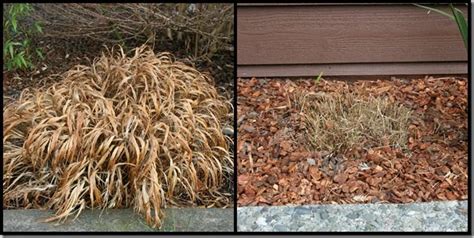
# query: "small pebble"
261,221
323,215
228,131
249,129
252,115
311,161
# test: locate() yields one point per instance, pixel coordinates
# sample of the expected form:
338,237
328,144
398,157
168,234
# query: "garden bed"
45,73
278,166
46,181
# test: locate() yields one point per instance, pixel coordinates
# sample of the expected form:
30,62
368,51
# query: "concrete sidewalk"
177,219
432,216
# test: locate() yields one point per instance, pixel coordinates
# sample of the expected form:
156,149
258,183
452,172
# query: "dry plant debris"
338,122
203,29
141,131
198,34
276,167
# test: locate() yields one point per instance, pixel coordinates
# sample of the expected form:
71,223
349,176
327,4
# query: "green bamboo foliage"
18,49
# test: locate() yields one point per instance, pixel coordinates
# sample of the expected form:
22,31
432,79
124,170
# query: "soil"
275,166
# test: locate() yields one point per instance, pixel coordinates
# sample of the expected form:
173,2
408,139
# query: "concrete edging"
177,219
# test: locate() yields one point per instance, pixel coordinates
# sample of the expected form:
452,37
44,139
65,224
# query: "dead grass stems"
338,122
141,131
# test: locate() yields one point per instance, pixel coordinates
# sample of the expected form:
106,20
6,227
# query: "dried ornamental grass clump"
141,131
338,122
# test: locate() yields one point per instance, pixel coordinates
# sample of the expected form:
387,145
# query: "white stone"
261,221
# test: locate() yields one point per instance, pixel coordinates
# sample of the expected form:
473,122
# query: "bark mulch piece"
276,168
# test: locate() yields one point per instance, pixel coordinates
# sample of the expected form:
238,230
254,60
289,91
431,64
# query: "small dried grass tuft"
338,122
141,131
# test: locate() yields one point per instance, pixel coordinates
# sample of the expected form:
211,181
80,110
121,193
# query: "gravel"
430,216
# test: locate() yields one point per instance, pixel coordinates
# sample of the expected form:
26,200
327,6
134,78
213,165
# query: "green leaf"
38,27
462,24
319,77
10,49
9,66
39,53
26,43
435,10
23,61
14,24
16,62
29,64
28,7
12,10
5,48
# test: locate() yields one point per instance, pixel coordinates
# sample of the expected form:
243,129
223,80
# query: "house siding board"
325,35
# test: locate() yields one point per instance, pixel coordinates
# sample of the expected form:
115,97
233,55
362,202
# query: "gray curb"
432,216
177,219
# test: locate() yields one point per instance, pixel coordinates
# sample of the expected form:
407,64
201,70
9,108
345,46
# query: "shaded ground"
433,216
61,55
276,168
177,219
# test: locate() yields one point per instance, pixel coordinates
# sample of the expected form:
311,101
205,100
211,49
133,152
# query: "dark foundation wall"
357,39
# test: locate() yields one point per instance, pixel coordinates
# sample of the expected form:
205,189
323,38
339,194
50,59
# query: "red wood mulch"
274,168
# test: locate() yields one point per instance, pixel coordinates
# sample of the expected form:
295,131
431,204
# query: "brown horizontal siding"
351,69
323,35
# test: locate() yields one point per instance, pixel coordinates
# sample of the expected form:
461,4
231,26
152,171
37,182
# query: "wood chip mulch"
275,168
